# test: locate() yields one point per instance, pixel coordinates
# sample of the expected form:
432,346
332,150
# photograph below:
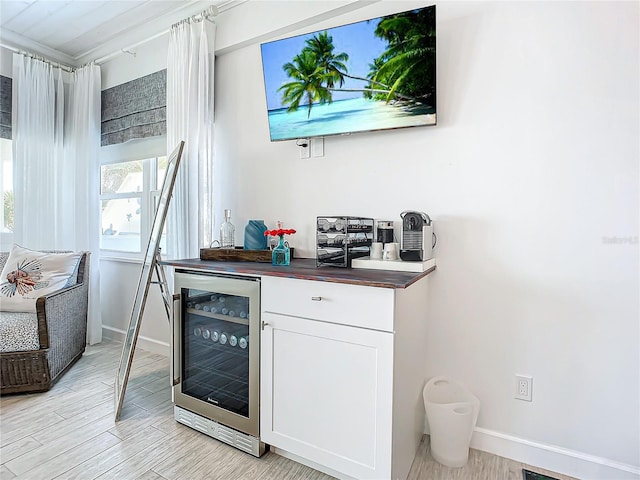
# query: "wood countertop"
305,269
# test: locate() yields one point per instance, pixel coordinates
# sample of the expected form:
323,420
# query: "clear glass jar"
227,231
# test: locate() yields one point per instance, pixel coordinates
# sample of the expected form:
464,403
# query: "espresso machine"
417,234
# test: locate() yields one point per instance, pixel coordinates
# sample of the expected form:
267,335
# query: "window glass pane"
121,225
6,184
162,171
123,177
125,221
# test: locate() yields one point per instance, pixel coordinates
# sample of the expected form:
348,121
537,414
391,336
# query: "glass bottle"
280,254
227,231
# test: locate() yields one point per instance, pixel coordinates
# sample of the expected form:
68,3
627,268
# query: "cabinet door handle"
316,299
264,324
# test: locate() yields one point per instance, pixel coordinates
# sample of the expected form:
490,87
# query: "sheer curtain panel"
38,127
81,182
56,165
190,67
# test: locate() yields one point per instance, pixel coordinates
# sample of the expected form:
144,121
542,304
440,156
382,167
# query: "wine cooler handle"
316,299
175,343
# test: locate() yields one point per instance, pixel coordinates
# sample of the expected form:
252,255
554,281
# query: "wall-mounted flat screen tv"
375,74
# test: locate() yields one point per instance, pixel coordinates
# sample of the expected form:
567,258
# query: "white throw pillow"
29,274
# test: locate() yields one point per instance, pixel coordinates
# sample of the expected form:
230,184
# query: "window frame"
149,151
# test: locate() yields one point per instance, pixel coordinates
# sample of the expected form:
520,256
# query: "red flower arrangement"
280,232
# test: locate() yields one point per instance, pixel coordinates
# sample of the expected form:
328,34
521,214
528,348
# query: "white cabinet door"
326,393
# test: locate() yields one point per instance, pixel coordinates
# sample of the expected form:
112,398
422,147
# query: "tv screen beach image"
372,75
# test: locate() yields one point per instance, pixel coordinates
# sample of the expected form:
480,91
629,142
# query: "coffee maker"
417,233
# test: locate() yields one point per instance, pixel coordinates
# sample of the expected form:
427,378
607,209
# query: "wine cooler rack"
341,239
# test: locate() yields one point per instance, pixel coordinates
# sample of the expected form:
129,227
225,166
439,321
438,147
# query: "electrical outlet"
305,147
524,386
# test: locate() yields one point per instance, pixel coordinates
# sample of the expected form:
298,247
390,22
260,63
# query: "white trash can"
452,412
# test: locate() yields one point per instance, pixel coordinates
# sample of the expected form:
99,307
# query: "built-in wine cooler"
216,357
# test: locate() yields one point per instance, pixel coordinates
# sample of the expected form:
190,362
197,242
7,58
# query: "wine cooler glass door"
216,357
219,357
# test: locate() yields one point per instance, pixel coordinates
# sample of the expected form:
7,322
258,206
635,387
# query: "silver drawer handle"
316,299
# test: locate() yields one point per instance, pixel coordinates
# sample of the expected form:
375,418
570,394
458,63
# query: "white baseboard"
145,343
551,457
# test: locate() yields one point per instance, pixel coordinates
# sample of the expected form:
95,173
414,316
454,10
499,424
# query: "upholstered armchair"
37,348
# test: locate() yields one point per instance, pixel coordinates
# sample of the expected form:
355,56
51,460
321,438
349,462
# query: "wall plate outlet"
317,147
305,147
524,386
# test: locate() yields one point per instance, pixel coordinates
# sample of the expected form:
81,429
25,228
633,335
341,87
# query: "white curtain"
81,183
56,165
190,67
38,127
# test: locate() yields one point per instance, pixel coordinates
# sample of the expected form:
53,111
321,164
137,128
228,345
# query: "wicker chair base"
28,371
62,333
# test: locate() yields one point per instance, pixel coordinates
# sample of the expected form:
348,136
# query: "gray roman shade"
136,109
5,107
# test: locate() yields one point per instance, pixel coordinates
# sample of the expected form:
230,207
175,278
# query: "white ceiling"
74,32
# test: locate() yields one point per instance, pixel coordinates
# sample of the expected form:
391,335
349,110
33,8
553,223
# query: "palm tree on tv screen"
405,70
308,78
331,64
408,64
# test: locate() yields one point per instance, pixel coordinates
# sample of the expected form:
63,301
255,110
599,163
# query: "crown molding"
124,40
17,42
160,26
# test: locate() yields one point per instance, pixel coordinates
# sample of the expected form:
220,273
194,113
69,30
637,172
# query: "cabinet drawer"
355,305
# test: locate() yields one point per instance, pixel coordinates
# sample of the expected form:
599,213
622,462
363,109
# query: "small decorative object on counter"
254,237
273,240
227,231
280,255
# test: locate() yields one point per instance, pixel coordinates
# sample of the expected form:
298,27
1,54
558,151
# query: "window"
6,183
128,196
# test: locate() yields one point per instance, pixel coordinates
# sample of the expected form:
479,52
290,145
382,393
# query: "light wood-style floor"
69,433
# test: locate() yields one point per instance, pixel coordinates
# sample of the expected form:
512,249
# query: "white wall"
533,163
530,176
6,62
119,281
145,59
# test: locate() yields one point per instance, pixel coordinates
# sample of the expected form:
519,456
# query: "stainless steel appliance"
417,233
216,357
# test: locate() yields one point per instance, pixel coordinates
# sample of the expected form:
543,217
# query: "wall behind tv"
531,177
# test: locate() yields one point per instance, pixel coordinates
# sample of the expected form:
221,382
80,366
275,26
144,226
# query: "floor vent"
529,475
239,440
